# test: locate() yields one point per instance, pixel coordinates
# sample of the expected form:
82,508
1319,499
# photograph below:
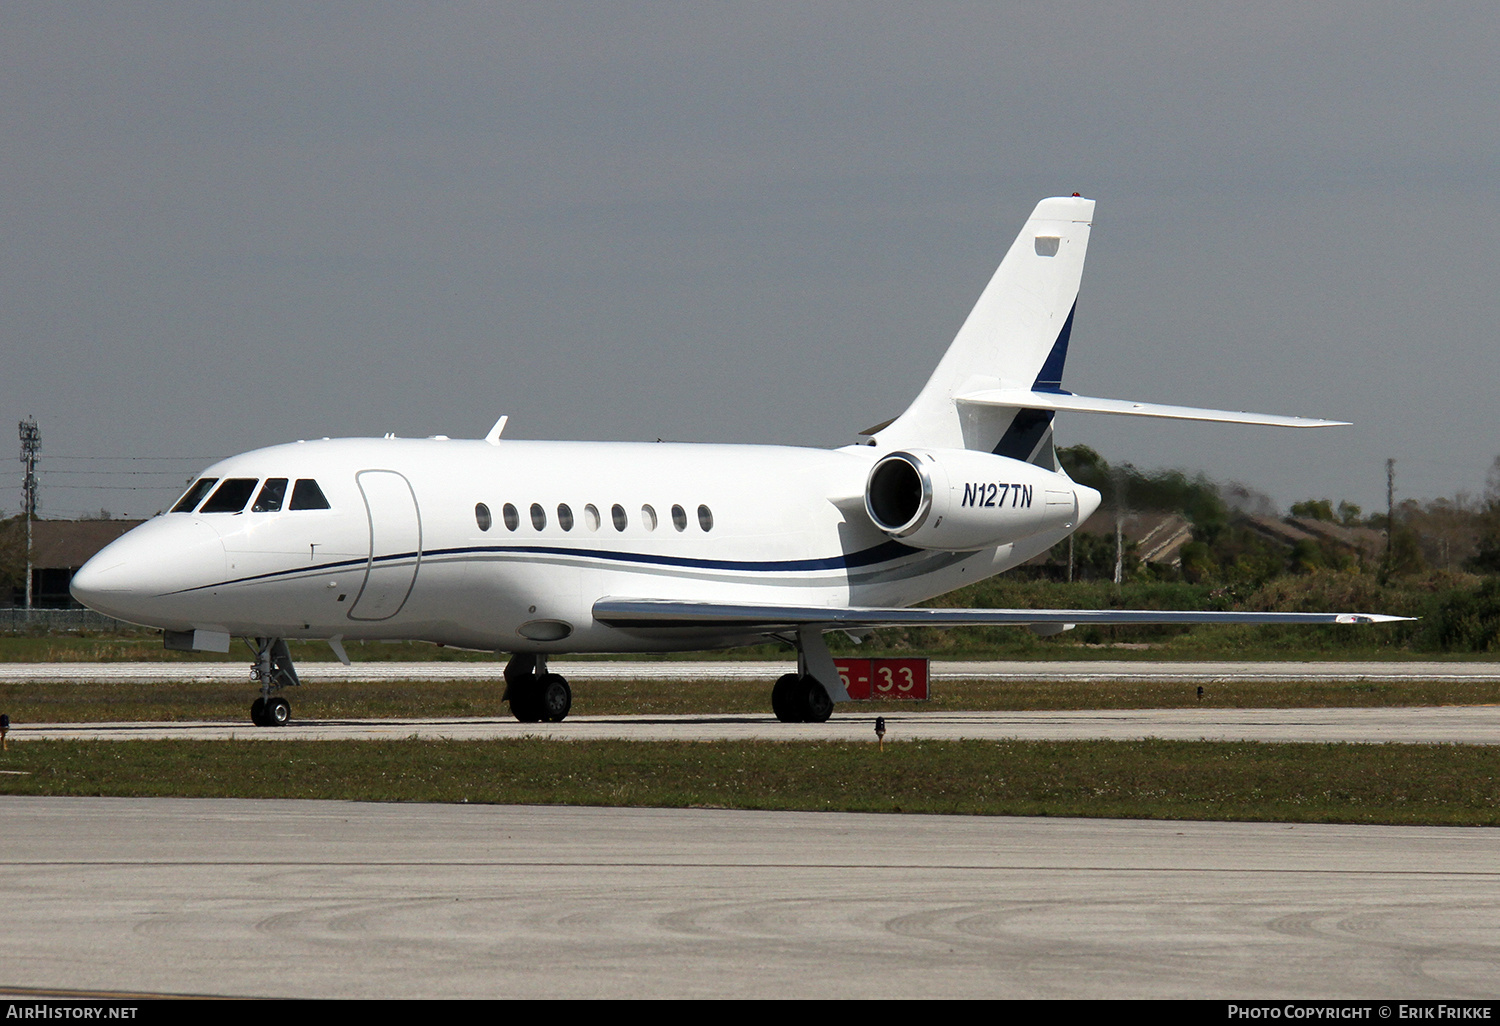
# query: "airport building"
58,549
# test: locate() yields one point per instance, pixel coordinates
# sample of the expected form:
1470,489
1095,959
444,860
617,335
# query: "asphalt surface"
1430,725
330,899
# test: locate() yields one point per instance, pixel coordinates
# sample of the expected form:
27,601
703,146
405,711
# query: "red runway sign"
869,679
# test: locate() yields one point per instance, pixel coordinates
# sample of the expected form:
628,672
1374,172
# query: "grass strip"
1326,783
94,702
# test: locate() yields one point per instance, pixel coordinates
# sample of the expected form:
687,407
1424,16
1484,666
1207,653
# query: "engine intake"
960,500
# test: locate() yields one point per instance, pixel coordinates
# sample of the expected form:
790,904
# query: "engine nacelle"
959,500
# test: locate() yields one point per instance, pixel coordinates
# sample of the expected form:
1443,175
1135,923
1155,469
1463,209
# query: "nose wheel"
270,712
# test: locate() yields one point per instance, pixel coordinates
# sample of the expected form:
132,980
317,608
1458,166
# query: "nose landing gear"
273,670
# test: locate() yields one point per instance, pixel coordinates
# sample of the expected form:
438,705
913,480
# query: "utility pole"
1119,504
1119,546
1390,512
31,444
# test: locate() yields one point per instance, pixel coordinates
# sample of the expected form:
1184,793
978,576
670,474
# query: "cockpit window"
194,495
271,494
307,495
231,496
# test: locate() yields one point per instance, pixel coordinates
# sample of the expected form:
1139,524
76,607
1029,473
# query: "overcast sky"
229,225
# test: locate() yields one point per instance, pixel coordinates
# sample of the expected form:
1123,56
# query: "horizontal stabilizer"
1021,398
665,613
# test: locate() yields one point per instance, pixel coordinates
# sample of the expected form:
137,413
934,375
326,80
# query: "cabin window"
617,513
194,495
564,516
538,517
705,518
307,495
482,517
648,517
271,494
231,496
511,517
591,516
679,518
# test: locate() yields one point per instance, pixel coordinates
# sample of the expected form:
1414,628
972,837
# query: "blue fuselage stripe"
882,553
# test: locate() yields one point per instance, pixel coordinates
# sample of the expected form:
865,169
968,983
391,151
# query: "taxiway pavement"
1423,725
332,899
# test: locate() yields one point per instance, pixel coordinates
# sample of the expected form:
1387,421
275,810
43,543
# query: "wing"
636,614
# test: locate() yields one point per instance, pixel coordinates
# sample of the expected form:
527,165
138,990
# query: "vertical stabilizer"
1015,337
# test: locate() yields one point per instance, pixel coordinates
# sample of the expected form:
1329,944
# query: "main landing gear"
273,671
536,696
799,699
807,696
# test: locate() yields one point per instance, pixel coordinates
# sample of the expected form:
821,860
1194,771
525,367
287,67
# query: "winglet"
494,436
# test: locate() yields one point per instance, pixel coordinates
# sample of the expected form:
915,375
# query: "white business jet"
540,548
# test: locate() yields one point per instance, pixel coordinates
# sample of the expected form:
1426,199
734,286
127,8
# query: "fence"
39,621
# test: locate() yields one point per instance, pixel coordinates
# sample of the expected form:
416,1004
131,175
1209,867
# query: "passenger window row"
231,496
618,516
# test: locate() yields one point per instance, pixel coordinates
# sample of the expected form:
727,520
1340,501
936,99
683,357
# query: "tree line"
1235,540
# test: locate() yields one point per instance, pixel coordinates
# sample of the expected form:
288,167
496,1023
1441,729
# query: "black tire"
785,699
817,706
258,712
525,700
278,712
554,698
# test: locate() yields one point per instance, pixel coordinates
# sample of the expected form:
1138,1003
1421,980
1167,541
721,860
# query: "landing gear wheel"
785,702
277,712
554,698
525,703
817,705
258,712
521,687
544,699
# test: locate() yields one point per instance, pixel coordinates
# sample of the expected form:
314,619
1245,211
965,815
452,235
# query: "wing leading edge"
637,614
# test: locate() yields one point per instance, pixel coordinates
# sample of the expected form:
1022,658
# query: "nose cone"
148,575
1088,502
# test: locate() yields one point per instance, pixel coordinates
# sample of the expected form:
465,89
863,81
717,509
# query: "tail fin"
1016,337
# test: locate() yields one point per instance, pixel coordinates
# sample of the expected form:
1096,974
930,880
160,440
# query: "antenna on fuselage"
494,436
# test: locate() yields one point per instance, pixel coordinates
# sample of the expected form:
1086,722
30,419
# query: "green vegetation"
184,701
12,554
1239,541
1340,783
